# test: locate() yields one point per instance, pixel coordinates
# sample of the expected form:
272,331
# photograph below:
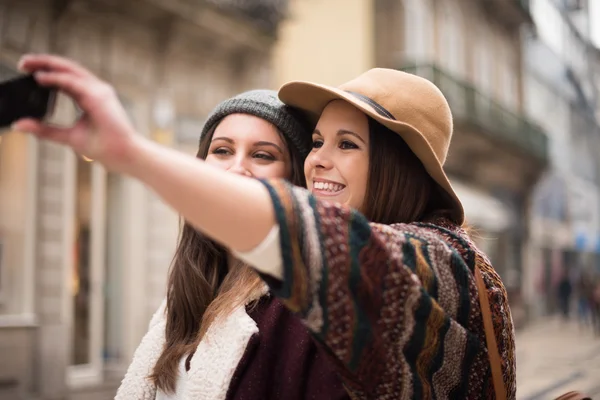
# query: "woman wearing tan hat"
382,275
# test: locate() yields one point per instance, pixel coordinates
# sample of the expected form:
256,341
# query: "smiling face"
338,166
249,146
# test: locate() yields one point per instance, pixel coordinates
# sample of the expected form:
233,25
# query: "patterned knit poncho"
396,305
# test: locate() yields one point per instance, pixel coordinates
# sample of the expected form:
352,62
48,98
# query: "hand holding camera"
103,133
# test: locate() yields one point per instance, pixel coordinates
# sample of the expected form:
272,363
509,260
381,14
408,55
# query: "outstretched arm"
233,210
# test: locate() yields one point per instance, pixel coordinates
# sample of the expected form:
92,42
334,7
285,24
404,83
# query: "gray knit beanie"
266,105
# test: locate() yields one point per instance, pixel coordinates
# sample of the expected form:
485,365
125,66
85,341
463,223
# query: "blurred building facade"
472,51
329,42
84,254
561,92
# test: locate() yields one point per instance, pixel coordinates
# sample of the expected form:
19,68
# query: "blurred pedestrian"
564,292
585,291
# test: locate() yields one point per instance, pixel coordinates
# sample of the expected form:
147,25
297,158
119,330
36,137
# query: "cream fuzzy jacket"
211,367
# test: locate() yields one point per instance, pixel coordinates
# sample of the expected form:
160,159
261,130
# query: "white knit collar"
211,367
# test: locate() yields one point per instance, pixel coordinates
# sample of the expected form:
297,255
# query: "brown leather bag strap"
490,337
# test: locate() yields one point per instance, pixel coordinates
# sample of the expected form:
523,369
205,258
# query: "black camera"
23,97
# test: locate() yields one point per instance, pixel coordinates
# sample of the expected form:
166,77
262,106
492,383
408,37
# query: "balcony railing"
471,106
512,12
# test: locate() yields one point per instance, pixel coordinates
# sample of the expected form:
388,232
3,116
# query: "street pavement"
554,357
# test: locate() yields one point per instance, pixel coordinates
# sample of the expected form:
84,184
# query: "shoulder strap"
490,337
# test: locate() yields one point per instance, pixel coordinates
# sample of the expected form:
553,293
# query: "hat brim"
312,98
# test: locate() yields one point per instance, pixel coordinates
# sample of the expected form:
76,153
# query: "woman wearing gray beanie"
222,336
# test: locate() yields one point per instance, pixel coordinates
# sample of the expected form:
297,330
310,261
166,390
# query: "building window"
419,30
483,62
82,283
14,192
15,197
451,39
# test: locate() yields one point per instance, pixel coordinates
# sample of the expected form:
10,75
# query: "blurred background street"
84,253
554,357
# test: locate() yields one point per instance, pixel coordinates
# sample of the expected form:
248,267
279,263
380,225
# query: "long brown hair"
202,288
399,189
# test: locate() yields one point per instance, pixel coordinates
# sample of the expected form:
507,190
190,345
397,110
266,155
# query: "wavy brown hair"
399,189
202,286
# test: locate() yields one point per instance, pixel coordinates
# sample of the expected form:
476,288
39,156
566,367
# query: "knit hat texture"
266,105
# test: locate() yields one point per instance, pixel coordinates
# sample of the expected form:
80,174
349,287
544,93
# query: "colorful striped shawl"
396,306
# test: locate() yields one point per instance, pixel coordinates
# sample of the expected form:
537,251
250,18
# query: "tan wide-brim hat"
407,104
